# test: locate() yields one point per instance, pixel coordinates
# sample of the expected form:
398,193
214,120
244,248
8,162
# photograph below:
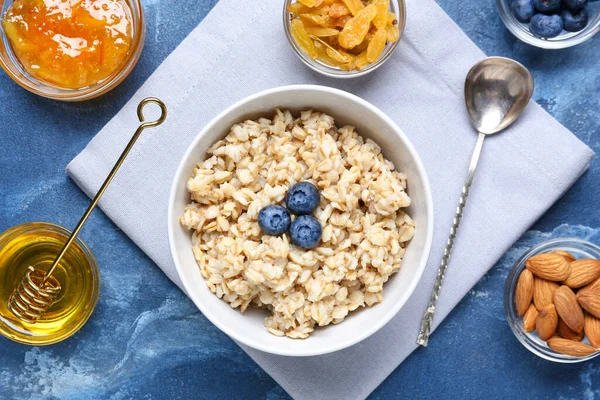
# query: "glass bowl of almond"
552,300
344,38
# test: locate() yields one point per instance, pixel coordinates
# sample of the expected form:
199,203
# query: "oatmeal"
364,230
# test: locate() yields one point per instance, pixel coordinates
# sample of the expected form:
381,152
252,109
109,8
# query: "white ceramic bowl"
248,328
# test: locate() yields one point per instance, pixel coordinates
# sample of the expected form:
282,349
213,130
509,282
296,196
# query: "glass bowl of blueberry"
551,24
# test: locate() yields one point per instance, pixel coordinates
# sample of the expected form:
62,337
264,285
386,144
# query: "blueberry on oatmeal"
303,198
306,231
274,220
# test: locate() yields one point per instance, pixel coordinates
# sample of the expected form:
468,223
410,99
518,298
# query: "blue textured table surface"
143,341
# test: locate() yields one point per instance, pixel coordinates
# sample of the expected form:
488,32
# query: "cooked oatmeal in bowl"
365,230
288,242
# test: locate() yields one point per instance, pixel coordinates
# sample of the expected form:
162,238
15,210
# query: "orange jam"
69,43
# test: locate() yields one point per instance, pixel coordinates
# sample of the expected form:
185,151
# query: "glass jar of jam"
70,50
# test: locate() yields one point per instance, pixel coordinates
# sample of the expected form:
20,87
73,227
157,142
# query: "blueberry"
546,26
575,4
274,220
575,21
522,9
303,198
306,231
547,6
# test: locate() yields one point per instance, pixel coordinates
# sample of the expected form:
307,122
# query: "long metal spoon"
497,90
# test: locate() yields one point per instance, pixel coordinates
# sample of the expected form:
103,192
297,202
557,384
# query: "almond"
568,333
570,347
582,273
595,285
546,322
568,308
551,266
591,326
543,292
565,254
524,292
590,301
529,318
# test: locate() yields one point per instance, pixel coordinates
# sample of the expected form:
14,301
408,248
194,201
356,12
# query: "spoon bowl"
497,90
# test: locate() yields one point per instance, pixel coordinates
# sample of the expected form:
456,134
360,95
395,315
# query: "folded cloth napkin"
239,49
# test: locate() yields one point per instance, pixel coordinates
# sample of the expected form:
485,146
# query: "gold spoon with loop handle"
39,290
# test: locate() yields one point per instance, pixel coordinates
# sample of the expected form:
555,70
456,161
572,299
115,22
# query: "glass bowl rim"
509,289
40,88
334,72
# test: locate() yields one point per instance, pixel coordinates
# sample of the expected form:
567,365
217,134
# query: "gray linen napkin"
522,172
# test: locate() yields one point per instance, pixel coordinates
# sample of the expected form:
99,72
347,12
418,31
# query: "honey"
71,44
37,245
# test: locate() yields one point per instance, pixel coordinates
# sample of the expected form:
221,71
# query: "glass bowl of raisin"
344,38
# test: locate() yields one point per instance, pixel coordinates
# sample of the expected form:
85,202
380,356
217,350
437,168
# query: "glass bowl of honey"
70,50
36,244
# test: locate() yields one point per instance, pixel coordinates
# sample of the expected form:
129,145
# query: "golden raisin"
393,33
376,45
363,45
311,3
298,8
354,6
302,38
342,21
322,32
322,20
322,54
380,20
340,56
357,28
392,18
361,61
324,58
338,9
321,10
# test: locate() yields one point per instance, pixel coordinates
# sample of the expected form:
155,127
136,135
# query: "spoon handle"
111,175
427,320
